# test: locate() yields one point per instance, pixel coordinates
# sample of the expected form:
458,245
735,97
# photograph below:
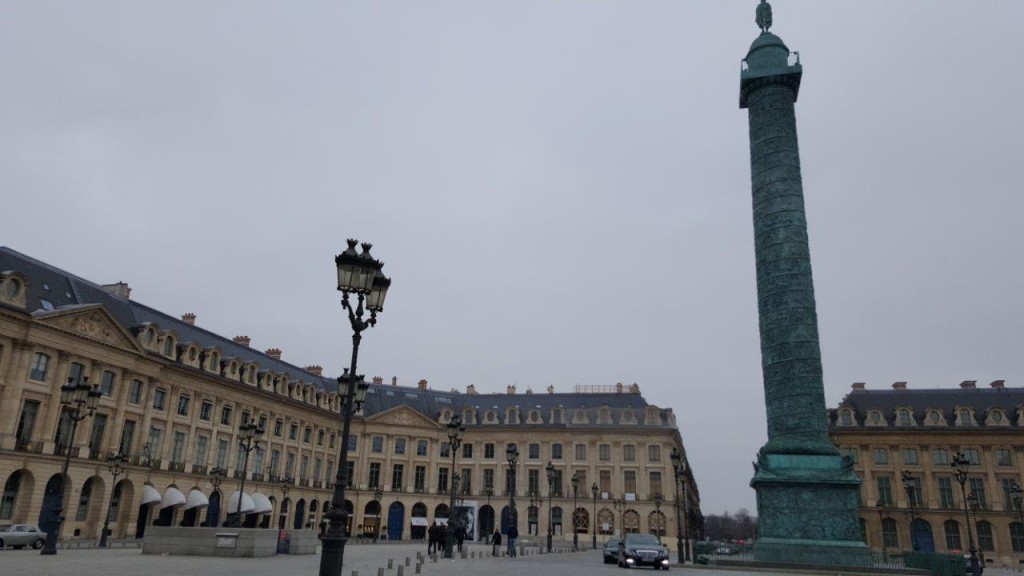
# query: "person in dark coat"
460,535
511,536
432,538
496,543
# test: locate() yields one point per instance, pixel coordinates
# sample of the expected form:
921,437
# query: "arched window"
890,534
630,522
985,540
441,511
556,519
656,523
83,500
606,521
581,520
1017,536
10,496
952,530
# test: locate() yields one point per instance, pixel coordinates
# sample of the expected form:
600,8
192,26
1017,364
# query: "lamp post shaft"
115,472
449,530
333,542
575,532
52,536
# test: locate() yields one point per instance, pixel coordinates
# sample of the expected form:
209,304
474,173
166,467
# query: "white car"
21,535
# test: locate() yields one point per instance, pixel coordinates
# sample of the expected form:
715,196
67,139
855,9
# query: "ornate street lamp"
593,490
378,495
910,487
359,274
682,525
79,401
550,470
575,494
249,434
286,485
536,503
961,465
217,475
880,508
658,500
455,432
512,455
489,491
620,505
116,464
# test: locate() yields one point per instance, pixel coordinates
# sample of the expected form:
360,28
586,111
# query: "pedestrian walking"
496,543
432,538
512,535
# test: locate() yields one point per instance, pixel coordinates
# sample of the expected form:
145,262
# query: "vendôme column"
806,492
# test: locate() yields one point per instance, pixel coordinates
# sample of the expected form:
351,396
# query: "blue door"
507,517
396,520
921,536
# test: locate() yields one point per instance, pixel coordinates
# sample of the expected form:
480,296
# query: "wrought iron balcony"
176,466
200,468
28,446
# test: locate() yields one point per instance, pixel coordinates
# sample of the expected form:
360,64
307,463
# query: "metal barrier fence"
826,557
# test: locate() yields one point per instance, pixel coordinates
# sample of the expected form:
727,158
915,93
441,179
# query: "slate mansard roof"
63,290
995,408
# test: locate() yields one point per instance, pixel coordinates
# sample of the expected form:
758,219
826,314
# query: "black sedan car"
642,550
611,551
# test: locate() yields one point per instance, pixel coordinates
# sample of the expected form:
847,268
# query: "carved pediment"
404,416
92,322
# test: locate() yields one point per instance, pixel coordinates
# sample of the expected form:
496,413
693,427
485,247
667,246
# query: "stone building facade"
902,437
174,396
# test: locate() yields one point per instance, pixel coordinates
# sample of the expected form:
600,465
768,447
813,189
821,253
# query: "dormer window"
213,364
934,416
845,418
904,417
965,417
12,288
148,336
169,343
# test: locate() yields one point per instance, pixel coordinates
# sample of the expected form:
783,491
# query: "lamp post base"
449,541
549,542
595,541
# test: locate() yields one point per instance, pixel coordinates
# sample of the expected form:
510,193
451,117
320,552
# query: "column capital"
22,345
64,356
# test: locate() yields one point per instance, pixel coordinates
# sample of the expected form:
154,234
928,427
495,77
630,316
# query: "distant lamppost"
79,402
575,494
359,274
286,485
682,525
249,434
378,495
910,487
975,502
536,502
620,505
455,432
550,469
657,510
1017,495
512,455
593,490
489,491
961,465
116,464
880,508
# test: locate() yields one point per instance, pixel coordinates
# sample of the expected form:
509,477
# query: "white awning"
149,494
418,521
196,499
441,521
261,504
247,503
172,497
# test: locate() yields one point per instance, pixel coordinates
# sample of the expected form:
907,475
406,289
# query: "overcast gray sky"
560,190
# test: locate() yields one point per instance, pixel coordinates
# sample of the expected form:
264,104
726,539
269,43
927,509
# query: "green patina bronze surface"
806,492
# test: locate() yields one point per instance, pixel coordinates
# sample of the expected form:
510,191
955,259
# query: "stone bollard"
434,558
391,563
406,560
463,554
418,566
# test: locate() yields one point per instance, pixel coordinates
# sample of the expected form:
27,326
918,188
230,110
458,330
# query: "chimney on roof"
394,380
998,384
511,390
189,319
242,340
378,380
551,389
858,386
315,370
968,384
899,385
471,389
120,289
422,384
274,353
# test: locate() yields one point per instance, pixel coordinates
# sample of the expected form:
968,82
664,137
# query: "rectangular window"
107,383
399,446
154,443
99,429
629,481
890,534
946,493
350,474
304,467
605,481
420,479
275,461
884,490
289,464
159,398
556,451
940,456
202,447
655,479
916,495
533,481
489,479
318,468
488,450
27,422
307,435
293,432
377,445
1007,484
629,453
1003,457
334,438
467,450
225,416
581,452
397,470
422,447
204,410
40,362
352,442
320,437
466,481
223,447
881,456
910,456
135,391
442,480
76,372
278,428
178,450
952,529
654,453
604,452
127,438
446,450
183,402
257,460
534,451
972,456
977,485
